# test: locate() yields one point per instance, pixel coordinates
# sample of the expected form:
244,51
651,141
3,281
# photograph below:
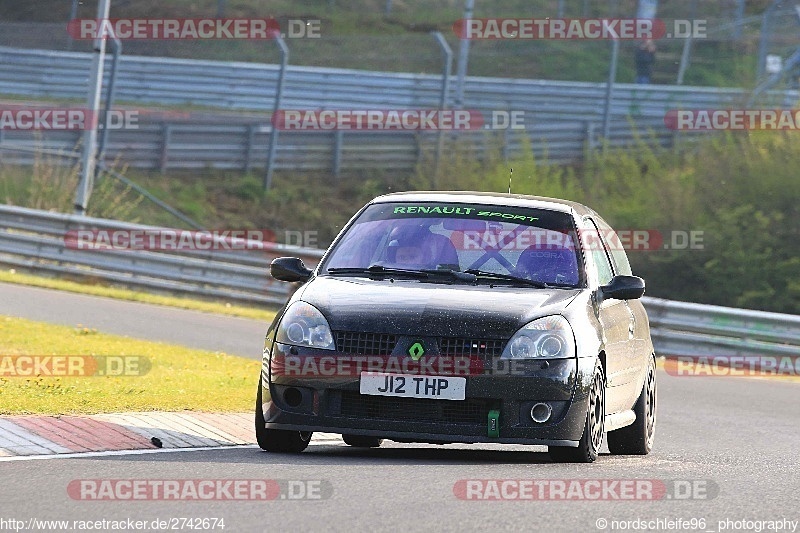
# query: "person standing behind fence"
645,57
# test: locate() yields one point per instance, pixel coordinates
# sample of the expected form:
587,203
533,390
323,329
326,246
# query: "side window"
597,249
618,256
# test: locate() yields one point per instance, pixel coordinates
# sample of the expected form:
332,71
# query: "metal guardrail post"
612,76
687,47
101,147
73,14
463,56
764,35
166,136
590,135
273,134
739,16
685,55
88,161
248,149
448,63
338,141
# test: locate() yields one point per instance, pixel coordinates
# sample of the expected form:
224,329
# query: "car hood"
417,308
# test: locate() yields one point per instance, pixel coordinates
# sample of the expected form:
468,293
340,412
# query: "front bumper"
332,403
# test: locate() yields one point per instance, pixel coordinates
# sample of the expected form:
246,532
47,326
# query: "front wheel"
592,438
278,440
637,439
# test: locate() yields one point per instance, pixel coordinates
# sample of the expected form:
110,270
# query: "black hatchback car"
447,317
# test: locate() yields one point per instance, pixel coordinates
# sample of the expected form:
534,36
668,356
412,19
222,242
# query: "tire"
359,441
592,438
637,439
278,440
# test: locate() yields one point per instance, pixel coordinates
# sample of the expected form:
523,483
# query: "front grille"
470,411
481,348
359,343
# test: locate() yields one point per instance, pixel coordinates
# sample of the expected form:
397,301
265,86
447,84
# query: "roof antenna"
510,173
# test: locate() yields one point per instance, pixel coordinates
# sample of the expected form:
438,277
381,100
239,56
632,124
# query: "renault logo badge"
416,351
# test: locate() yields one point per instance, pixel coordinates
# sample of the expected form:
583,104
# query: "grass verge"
221,308
178,378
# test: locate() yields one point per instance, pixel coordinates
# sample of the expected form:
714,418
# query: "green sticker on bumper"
493,425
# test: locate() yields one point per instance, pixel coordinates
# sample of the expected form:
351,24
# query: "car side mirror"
624,288
289,269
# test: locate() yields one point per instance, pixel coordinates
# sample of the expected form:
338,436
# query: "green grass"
220,308
179,378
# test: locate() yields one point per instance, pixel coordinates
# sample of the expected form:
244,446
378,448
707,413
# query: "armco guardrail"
251,86
562,119
198,145
35,240
682,328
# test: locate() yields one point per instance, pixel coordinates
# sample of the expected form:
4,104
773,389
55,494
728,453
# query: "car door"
614,317
639,349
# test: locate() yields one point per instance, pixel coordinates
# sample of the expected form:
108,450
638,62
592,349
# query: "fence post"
248,150
448,63
763,45
589,135
737,30
166,137
101,149
338,141
685,54
273,134
612,76
73,14
88,160
463,55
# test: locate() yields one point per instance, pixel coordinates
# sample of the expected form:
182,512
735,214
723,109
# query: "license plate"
411,386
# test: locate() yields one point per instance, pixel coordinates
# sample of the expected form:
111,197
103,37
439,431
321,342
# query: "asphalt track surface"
736,438
232,335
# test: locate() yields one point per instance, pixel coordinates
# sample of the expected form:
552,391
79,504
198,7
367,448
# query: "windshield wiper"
423,273
506,277
379,270
452,273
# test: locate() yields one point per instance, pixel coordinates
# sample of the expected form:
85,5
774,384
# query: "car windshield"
529,244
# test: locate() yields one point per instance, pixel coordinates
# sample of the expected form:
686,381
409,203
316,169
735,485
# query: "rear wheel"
278,440
360,441
637,439
592,438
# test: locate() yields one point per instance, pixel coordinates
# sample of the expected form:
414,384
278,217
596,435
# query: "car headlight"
303,325
550,337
